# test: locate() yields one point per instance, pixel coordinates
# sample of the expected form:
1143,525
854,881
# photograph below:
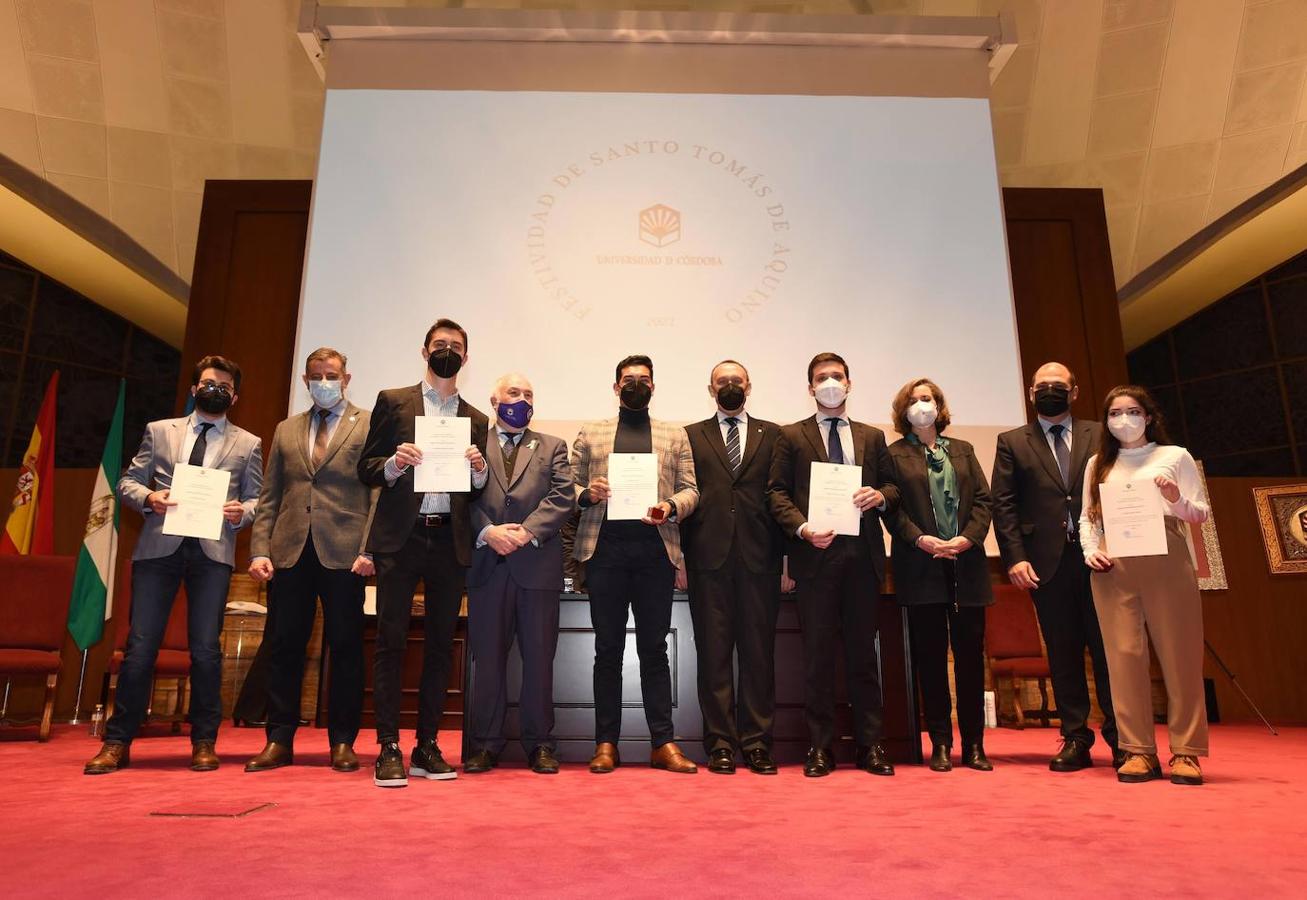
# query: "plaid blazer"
675,480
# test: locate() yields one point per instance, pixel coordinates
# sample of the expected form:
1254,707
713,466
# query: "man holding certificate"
424,450
635,481
196,481
1140,491
828,489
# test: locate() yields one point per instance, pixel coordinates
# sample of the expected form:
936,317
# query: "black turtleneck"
634,434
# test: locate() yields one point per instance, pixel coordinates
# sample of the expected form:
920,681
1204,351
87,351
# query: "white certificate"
633,482
199,494
1133,518
830,498
443,441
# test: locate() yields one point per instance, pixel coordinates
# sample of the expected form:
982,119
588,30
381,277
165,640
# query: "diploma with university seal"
1133,518
633,485
199,494
443,441
830,498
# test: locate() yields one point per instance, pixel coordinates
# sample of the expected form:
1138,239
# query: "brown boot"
272,756
203,759
1185,770
670,757
605,758
1139,767
112,757
343,758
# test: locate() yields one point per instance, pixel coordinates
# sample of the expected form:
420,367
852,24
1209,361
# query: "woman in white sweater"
1139,597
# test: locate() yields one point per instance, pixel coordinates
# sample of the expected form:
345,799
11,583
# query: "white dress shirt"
846,436
213,441
1066,433
743,427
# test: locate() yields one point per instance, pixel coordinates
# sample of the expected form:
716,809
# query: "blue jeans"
154,588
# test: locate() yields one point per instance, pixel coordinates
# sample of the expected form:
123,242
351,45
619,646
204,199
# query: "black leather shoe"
820,763
1073,757
722,762
875,760
543,761
1118,757
973,757
480,761
760,762
426,762
389,771
939,761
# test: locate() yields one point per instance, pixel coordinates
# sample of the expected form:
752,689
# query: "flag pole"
81,679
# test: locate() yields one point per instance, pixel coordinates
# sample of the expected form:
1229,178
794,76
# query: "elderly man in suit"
161,563
308,539
631,563
515,578
1039,472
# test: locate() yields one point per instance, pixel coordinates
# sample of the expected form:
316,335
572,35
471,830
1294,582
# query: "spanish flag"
30,528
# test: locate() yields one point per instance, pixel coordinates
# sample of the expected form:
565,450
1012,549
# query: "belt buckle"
433,520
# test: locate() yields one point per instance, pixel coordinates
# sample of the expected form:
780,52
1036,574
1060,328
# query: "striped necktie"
733,442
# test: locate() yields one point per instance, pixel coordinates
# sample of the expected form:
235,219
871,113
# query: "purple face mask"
515,415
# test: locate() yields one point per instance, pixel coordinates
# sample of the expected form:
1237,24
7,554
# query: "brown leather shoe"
112,757
203,759
670,757
343,758
272,756
605,758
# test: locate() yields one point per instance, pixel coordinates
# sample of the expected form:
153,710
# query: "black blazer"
799,446
398,505
919,577
732,506
1030,500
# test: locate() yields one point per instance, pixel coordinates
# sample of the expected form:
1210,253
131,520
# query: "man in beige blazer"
631,563
308,541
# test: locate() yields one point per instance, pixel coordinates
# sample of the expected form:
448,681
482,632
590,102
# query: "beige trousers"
1155,596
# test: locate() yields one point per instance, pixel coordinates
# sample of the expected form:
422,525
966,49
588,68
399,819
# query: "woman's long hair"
1109,447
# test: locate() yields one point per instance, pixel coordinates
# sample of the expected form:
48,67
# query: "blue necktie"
834,446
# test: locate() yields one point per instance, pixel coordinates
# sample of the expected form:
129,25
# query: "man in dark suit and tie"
416,537
838,576
733,550
516,577
1037,486
308,539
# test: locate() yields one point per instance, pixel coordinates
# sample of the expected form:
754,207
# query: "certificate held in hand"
830,498
443,441
632,485
199,494
1134,521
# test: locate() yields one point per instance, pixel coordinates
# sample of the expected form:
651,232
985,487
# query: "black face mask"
212,399
730,397
636,394
1052,400
444,362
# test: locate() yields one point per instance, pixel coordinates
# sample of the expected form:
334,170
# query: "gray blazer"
151,469
330,502
540,496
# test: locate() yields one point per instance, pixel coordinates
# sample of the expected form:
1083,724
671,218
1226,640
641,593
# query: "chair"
34,620
173,661
1015,651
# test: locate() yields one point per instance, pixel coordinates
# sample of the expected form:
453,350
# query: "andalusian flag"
93,584
30,528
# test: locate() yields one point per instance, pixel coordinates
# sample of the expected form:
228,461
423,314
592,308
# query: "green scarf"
943,486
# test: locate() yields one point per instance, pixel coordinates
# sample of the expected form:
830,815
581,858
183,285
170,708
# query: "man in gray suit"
162,562
515,578
308,539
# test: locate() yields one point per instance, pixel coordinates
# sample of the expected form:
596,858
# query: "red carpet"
1019,831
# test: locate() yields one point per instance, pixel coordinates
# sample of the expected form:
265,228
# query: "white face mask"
1127,428
923,413
326,394
831,393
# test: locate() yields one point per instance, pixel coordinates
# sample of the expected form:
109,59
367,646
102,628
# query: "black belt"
435,520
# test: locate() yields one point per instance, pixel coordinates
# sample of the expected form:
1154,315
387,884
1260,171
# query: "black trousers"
934,627
293,596
498,612
631,575
1067,618
427,556
839,603
734,612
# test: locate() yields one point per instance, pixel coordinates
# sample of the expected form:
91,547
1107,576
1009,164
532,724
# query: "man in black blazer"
415,537
838,577
1038,479
733,549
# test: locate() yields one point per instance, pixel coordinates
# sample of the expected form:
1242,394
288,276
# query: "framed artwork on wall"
1207,549
1282,513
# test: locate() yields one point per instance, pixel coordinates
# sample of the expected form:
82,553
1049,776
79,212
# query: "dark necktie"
201,444
1063,454
509,449
733,442
834,446
322,438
